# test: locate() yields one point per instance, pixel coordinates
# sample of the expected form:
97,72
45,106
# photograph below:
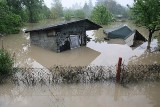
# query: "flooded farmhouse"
64,36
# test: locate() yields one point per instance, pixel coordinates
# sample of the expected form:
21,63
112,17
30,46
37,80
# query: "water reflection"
108,94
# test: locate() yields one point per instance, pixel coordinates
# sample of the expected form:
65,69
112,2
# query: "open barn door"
74,41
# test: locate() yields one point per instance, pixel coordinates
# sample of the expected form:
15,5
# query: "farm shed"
63,36
131,37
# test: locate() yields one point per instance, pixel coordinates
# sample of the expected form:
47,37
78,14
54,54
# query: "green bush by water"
6,64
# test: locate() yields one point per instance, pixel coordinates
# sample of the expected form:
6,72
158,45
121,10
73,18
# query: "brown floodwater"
97,51
81,95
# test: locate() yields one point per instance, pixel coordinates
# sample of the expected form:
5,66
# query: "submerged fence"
135,73
61,74
86,74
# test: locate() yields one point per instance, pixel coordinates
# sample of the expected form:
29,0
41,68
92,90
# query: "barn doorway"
74,41
65,46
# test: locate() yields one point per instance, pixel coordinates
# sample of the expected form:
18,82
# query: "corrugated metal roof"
92,26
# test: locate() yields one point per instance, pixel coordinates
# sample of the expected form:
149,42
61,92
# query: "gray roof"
90,25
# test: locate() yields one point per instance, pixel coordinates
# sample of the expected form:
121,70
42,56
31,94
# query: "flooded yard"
97,51
80,95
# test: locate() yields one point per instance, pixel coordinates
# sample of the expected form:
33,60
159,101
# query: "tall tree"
101,15
44,12
90,4
79,14
56,9
15,6
87,8
34,8
147,13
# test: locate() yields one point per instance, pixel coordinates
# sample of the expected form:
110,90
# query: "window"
51,33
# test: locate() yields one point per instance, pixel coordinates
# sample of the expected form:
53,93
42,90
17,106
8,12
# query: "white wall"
130,40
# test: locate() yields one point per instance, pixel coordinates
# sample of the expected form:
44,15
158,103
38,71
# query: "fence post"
118,70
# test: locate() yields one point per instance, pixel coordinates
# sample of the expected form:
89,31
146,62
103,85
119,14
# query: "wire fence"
61,74
136,73
85,74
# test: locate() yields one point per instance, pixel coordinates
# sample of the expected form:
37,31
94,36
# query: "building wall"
41,39
58,41
130,40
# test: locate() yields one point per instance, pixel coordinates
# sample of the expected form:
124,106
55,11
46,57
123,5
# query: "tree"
17,7
90,4
101,15
44,12
9,22
147,13
87,8
68,14
79,14
34,9
56,9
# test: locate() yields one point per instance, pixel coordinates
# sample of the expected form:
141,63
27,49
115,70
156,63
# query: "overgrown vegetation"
6,65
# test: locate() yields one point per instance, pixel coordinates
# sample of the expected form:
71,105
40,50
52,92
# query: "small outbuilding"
63,36
131,37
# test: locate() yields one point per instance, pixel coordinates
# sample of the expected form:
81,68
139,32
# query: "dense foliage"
147,13
14,12
9,22
6,64
101,15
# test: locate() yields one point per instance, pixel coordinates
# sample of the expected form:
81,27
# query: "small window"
51,33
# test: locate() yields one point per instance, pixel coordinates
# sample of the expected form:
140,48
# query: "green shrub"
6,64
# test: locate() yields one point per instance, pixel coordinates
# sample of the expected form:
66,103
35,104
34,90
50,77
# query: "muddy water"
97,51
81,95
